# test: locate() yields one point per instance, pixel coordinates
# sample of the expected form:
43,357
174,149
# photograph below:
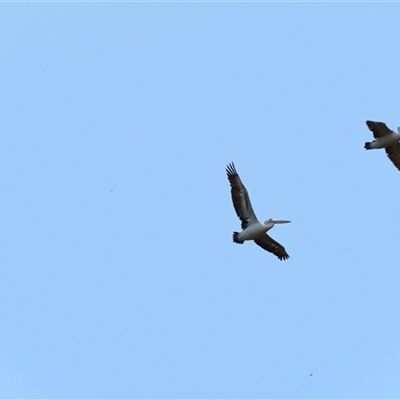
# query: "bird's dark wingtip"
230,169
370,124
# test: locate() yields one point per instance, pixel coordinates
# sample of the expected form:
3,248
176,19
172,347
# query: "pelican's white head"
271,222
398,129
279,221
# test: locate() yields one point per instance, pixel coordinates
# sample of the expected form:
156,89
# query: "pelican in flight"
386,139
252,228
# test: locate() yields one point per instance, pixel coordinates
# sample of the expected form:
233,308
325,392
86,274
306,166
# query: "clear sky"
119,277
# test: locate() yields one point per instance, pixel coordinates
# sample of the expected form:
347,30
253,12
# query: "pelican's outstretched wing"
393,152
240,197
271,245
378,129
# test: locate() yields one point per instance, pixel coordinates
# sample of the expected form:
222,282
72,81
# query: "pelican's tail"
235,238
367,145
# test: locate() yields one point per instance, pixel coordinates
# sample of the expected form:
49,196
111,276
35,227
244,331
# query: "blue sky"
119,277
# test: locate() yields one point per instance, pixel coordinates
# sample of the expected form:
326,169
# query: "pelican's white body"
257,229
386,141
254,231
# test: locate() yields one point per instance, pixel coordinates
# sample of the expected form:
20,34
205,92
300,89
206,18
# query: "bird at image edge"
252,228
386,139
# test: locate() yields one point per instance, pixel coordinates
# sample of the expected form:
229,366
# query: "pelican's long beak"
280,221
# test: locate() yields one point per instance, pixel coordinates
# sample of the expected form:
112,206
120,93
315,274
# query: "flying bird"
386,139
252,228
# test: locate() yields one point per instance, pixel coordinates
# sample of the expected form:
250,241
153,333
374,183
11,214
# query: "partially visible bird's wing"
393,152
378,129
240,197
271,245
